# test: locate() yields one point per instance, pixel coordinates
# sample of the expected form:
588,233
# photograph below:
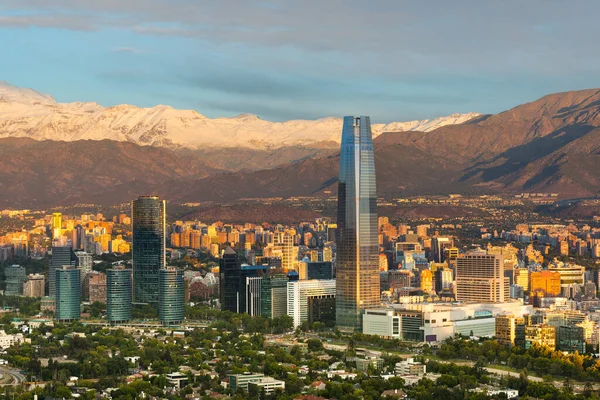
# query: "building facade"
230,275
148,247
68,293
34,286
480,279
15,277
357,264
171,296
61,256
299,293
118,295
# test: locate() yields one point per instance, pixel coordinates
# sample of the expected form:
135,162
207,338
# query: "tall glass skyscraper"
68,293
61,255
118,295
148,247
357,263
230,275
171,306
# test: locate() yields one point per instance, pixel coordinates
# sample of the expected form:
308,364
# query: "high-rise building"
285,242
300,293
34,286
61,255
56,225
250,288
230,272
319,270
15,277
357,263
68,293
480,279
148,250
171,296
274,295
118,295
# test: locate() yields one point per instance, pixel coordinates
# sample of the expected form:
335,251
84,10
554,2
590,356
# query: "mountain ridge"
28,113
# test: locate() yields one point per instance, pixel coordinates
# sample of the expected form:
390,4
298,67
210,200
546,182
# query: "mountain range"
549,145
28,113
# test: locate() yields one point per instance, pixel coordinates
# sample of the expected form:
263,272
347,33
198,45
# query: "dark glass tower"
68,293
171,305
357,268
118,295
61,255
148,247
230,275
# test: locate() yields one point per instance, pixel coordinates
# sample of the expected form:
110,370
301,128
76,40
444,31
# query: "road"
16,376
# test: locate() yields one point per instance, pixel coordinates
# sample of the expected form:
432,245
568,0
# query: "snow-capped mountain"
28,113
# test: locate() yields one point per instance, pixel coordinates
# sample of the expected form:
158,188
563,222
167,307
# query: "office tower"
443,279
285,242
250,288
440,246
300,293
61,255
357,264
273,296
34,286
56,225
68,293
148,251
480,279
570,339
230,272
15,277
171,296
118,295
77,237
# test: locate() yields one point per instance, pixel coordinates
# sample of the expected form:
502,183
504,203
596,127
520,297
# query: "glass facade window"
15,277
230,272
61,255
148,247
68,293
171,296
273,296
357,264
118,295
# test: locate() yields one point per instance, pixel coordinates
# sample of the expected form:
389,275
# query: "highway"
17,377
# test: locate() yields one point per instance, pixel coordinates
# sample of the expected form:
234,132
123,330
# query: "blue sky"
391,59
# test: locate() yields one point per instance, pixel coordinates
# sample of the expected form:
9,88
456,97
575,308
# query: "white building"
439,321
410,367
7,340
299,292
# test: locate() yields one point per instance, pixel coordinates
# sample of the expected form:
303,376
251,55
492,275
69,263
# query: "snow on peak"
27,113
13,94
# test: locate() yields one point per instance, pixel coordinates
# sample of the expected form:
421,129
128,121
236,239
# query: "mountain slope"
27,113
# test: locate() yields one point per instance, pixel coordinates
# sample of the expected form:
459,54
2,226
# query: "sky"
394,60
